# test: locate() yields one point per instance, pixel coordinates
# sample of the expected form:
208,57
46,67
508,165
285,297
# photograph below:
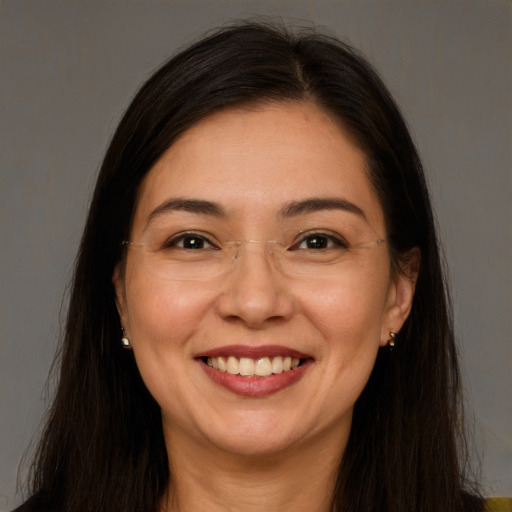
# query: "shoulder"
498,505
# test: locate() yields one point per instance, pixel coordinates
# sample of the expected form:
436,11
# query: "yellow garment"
498,505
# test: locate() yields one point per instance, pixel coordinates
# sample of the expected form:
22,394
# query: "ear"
120,293
400,295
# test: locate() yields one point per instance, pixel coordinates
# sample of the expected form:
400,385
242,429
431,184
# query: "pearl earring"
125,342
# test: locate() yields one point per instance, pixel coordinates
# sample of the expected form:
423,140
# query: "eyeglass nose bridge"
237,244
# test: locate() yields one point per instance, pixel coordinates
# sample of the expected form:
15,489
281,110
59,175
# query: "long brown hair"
103,448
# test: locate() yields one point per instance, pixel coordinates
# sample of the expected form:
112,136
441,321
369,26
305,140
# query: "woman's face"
215,325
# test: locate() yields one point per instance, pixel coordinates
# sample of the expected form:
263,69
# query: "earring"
392,338
125,342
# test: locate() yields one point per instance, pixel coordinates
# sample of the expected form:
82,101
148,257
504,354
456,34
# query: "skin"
281,451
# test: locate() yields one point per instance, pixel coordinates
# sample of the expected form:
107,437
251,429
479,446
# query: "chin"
250,436
255,446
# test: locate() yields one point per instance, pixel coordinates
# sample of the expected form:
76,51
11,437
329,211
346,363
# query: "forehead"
255,160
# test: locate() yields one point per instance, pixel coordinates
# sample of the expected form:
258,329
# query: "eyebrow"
292,209
316,204
198,206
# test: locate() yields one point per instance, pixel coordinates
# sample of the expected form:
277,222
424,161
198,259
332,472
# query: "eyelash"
181,237
335,240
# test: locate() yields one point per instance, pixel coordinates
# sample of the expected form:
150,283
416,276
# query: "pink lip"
253,352
255,386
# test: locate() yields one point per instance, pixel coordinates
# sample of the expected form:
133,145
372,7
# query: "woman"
258,319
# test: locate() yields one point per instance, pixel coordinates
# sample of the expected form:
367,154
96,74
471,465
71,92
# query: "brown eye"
193,242
318,241
189,241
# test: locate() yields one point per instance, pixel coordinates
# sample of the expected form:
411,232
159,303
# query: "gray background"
69,68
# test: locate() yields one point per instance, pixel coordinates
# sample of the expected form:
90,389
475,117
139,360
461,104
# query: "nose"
254,292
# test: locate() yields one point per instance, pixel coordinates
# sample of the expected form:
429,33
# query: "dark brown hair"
103,448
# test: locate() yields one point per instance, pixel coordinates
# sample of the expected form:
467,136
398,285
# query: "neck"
300,478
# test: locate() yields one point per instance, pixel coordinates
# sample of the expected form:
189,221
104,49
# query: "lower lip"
256,386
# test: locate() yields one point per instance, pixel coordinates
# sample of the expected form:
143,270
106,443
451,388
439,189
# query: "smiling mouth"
248,367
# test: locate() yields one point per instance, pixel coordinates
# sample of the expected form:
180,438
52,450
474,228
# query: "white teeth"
263,367
247,367
277,364
232,366
222,364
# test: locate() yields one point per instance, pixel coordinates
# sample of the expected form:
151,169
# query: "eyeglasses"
193,256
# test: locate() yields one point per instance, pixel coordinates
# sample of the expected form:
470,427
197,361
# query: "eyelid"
173,240
334,237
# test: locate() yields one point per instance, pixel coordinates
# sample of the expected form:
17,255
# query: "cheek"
350,310
164,320
160,313
347,322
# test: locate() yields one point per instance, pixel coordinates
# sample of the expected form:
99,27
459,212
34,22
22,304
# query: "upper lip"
253,352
